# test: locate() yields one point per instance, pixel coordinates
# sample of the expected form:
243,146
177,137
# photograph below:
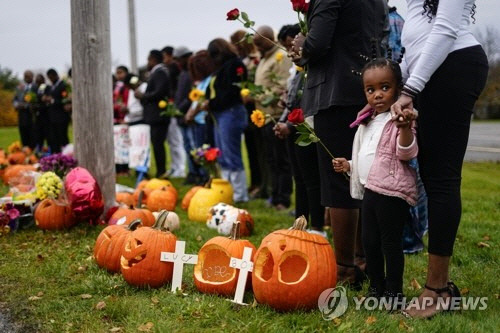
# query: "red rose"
296,117
233,14
212,154
300,5
240,71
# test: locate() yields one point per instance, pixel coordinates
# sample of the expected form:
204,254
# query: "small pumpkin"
52,215
140,261
131,213
13,171
125,198
222,216
109,245
163,198
17,158
188,196
292,268
172,221
212,273
156,183
219,190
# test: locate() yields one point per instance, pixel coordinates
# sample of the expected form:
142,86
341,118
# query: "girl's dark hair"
386,63
200,65
431,7
220,50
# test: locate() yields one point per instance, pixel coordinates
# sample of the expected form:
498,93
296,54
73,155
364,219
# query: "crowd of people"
359,87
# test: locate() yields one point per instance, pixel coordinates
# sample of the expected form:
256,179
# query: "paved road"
484,142
6,326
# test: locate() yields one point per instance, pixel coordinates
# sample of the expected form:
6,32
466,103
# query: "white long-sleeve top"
428,44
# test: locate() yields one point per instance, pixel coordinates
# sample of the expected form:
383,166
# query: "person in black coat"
59,118
42,124
340,33
24,106
157,90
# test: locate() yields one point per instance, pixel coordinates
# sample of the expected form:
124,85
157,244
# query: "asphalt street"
484,142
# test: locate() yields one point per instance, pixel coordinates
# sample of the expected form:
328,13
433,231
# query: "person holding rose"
339,32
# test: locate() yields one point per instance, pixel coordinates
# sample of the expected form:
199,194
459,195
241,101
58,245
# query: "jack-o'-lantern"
140,261
109,245
126,214
292,268
52,215
222,216
125,198
188,196
212,273
163,198
220,190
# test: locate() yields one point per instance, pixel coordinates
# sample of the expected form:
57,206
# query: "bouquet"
60,164
8,218
169,108
206,156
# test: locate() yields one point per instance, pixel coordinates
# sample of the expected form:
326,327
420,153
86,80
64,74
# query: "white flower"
134,80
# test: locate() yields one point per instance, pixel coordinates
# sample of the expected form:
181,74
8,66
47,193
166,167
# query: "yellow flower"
162,104
258,118
14,147
245,92
196,94
27,98
279,57
299,69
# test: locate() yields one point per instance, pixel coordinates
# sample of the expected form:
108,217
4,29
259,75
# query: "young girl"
382,177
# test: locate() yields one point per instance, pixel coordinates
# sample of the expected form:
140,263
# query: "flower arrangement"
169,108
30,97
49,185
206,156
8,218
60,164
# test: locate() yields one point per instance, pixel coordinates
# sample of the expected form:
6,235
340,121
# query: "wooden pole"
92,92
132,36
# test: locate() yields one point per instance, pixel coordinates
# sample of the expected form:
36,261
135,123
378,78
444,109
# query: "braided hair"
431,6
392,65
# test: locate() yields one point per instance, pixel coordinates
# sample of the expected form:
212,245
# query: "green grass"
58,268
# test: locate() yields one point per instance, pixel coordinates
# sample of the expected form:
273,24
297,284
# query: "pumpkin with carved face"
140,261
109,245
292,268
212,273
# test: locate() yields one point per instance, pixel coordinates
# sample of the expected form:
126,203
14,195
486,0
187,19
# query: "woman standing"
224,100
446,70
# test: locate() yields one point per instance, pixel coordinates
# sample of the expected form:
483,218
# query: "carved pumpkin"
140,261
164,198
188,196
222,216
109,245
220,190
126,214
125,198
292,268
15,171
212,273
51,215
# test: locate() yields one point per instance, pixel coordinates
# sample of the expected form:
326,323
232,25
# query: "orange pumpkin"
292,268
187,197
109,245
163,198
145,192
125,198
140,261
51,215
131,213
212,273
17,158
13,171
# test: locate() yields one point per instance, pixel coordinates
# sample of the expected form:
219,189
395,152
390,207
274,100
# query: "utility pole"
132,36
92,87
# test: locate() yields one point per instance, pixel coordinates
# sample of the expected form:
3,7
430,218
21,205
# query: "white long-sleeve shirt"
428,44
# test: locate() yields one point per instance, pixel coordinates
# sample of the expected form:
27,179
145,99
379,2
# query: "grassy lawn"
45,274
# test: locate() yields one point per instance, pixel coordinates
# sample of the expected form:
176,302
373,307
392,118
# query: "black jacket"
340,31
158,89
56,111
227,94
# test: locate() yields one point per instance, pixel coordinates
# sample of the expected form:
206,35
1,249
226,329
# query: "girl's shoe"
393,301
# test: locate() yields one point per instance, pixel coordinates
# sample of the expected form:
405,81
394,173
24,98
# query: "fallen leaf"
34,298
146,327
337,321
497,296
40,294
404,326
486,237
370,320
39,257
85,296
415,285
88,248
464,291
89,258
116,329
199,238
101,305
155,300
254,303
82,268
482,244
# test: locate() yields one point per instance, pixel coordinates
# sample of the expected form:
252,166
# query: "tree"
489,38
7,80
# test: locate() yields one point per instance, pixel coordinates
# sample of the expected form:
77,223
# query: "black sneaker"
393,301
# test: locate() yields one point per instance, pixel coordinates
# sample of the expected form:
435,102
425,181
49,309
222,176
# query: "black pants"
42,126
26,127
279,167
58,136
382,219
158,137
304,161
445,109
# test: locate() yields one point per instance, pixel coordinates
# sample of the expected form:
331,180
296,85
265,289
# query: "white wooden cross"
245,265
179,258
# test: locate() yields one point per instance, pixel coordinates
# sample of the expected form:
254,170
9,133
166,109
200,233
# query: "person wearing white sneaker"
318,232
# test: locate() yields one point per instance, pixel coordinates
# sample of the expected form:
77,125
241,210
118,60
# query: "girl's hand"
340,164
406,118
403,102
